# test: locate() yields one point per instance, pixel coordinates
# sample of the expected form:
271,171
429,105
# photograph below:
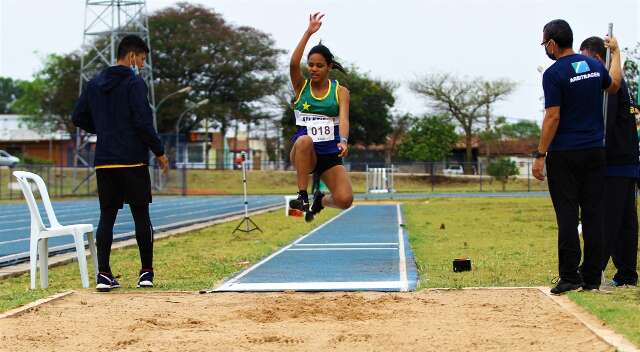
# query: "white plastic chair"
39,249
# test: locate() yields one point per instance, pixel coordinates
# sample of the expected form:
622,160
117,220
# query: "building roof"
13,129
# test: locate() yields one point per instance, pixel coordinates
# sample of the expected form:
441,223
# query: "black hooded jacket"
622,136
115,107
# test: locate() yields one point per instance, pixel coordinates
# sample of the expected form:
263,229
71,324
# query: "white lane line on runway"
324,286
343,249
226,285
403,259
350,244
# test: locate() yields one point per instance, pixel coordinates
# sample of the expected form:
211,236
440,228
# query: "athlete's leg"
303,157
338,182
104,237
144,234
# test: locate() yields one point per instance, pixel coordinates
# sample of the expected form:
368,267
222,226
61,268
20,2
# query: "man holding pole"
621,216
572,145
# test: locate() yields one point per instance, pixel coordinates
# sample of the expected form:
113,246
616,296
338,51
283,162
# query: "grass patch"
511,242
190,262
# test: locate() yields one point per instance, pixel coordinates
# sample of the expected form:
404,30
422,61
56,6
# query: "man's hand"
344,150
611,43
538,167
163,162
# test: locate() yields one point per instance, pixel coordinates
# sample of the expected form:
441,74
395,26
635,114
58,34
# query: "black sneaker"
299,204
145,279
564,286
316,207
105,282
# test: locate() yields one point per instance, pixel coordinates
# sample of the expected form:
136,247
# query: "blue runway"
362,248
166,212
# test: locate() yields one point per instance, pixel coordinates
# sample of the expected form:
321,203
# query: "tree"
467,101
370,102
502,169
521,129
430,138
47,102
236,68
10,91
630,71
400,124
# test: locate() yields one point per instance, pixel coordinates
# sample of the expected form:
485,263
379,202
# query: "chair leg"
94,252
33,261
82,259
43,262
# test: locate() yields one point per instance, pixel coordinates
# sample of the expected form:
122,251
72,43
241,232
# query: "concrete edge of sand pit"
29,306
592,323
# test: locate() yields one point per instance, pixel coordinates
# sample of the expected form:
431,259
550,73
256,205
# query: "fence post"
528,176
480,173
184,179
433,180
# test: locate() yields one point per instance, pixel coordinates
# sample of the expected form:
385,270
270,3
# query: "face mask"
134,67
549,55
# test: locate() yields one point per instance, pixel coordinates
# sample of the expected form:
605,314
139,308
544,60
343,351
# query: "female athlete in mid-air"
322,117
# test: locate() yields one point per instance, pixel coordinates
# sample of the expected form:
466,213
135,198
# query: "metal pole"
605,98
244,187
528,176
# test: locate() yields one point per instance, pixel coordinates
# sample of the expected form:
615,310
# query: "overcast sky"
394,40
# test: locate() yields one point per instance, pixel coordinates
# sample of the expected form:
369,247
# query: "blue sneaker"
145,279
616,283
105,282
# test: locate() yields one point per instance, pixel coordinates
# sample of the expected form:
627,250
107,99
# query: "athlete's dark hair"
328,56
131,43
560,32
594,45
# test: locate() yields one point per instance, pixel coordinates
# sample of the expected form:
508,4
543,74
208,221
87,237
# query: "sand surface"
469,320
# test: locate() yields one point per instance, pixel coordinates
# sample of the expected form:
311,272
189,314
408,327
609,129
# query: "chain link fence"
278,177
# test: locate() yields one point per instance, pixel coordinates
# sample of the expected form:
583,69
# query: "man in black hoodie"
620,216
115,107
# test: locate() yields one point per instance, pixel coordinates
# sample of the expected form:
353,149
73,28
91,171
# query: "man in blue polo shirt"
620,216
572,143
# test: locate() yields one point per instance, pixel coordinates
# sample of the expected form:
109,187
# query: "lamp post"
190,108
184,90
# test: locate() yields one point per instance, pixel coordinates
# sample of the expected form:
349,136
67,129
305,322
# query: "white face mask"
134,67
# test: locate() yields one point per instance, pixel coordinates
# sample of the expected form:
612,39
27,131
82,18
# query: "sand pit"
514,320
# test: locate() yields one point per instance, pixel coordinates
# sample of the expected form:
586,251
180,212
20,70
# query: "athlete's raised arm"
315,21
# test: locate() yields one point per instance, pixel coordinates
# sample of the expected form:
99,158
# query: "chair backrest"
36,219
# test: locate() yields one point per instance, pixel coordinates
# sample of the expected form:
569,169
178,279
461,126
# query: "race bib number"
320,130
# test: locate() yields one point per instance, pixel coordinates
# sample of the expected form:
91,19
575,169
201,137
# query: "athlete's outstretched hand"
315,21
344,150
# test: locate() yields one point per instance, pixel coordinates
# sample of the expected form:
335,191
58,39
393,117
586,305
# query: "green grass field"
279,182
511,242
210,182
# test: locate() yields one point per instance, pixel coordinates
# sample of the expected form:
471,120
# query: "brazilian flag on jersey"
317,116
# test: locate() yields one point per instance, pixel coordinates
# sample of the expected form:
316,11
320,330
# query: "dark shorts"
325,162
131,185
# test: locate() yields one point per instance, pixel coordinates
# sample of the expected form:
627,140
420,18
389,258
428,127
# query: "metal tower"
105,23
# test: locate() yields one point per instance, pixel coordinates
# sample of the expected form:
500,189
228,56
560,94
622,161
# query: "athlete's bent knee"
343,201
304,143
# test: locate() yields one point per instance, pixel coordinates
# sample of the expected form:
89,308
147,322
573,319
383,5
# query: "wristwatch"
344,140
537,155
